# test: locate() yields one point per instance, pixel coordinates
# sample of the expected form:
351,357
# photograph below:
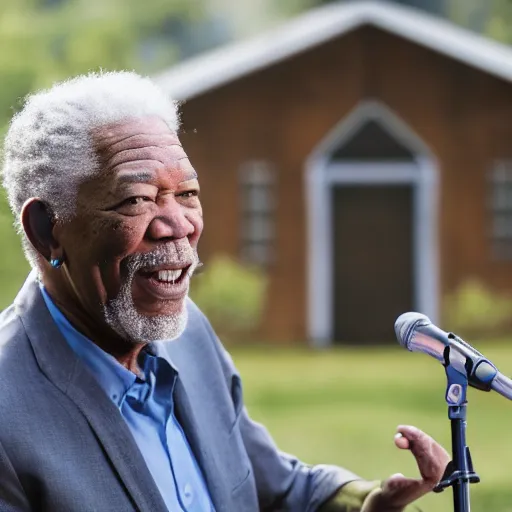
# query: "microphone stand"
459,473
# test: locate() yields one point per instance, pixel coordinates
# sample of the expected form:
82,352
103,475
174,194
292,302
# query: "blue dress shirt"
145,402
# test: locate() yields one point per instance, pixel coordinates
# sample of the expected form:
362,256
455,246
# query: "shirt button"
188,495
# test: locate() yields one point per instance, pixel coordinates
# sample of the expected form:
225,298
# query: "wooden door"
373,261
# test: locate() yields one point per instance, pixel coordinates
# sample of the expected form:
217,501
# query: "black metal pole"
461,466
459,473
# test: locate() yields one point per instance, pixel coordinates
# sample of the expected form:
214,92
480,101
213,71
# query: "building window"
501,209
257,181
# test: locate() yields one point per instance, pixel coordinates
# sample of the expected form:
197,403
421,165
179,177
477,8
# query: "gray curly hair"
48,148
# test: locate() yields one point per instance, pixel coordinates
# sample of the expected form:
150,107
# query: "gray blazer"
64,446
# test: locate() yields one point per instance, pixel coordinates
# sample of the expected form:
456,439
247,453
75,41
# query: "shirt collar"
112,376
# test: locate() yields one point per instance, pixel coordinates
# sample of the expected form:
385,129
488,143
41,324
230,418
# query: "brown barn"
362,154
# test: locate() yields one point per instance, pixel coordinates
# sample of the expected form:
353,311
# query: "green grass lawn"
342,407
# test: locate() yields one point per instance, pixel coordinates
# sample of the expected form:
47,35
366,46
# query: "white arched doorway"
371,158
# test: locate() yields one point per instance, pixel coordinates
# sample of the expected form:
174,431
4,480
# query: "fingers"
398,483
399,490
401,442
395,494
410,432
430,456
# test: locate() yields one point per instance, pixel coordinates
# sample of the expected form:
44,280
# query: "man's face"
132,246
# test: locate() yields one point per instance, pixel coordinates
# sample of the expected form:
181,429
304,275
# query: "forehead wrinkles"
171,157
112,152
117,132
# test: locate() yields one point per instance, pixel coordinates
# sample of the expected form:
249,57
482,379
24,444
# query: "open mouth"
167,276
161,283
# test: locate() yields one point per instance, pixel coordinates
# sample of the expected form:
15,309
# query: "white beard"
121,314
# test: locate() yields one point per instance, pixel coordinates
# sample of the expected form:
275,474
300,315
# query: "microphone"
417,333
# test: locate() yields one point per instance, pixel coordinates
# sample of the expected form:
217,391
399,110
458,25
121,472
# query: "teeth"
169,276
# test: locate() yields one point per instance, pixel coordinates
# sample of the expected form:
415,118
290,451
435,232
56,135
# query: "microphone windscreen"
406,324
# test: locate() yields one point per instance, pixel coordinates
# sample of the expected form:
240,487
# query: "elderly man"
116,394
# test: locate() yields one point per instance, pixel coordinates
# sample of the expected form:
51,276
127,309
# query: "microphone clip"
459,473
451,476
479,371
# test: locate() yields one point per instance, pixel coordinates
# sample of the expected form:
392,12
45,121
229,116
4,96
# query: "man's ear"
38,223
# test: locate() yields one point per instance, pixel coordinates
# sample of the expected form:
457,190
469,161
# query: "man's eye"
137,200
189,193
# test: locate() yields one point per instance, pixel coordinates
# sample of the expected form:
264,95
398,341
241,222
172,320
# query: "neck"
94,328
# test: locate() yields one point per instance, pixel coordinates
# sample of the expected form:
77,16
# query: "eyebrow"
146,176
193,176
135,177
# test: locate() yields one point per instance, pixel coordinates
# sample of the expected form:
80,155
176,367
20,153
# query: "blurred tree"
499,23
47,40
433,6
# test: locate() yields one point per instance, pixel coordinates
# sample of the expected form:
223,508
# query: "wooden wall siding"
282,112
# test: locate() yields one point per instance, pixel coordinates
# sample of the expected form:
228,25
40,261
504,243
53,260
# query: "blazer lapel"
59,363
198,429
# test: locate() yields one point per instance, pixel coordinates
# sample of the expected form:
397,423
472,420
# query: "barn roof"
228,63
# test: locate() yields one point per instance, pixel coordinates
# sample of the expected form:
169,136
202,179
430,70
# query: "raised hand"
398,491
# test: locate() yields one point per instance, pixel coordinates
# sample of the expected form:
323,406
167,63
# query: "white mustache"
170,254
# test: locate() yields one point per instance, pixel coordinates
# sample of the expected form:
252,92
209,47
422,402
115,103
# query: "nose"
171,223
